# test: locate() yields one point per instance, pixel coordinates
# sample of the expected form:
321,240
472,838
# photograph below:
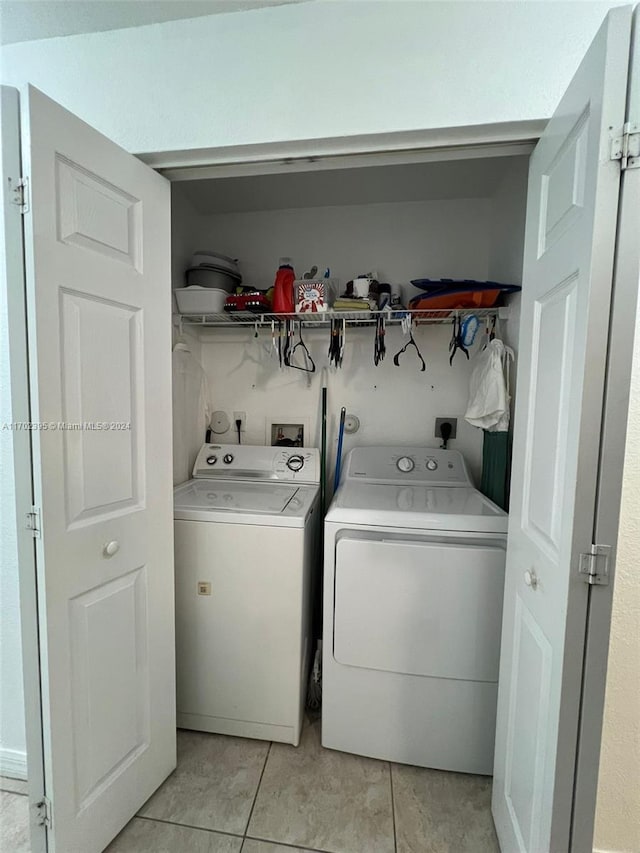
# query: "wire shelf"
393,317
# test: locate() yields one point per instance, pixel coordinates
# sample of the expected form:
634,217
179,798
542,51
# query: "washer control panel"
416,465
249,462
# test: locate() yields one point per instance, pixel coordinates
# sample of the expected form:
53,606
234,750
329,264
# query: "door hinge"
625,147
594,565
32,522
44,815
20,193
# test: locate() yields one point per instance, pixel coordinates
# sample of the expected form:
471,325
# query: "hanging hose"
336,481
323,453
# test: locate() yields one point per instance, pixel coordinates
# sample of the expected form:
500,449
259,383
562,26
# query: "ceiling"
477,178
27,20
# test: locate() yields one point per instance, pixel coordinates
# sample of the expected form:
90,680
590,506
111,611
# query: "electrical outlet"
242,417
454,426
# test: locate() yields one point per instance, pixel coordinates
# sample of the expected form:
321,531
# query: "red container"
283,302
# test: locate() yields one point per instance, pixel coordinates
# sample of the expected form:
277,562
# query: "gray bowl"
212,277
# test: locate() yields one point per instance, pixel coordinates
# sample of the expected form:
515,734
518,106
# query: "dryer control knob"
405,464
295,463
227,458
432,465
211,460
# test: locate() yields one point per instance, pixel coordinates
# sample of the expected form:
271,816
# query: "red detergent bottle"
283,288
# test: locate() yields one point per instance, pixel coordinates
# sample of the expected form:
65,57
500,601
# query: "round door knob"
227,458
530,578
405,464
295,463
432,465
211,460
111,548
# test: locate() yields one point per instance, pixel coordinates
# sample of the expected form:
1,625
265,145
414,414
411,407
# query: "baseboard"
13,763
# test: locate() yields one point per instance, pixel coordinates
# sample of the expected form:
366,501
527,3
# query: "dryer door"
428,607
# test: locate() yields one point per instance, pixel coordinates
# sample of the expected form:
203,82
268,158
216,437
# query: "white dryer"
413,587
246,536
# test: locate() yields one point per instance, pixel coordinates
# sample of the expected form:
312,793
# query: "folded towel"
352,305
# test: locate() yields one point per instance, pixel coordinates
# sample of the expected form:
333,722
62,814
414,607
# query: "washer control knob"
432,465
211,460
227,458
295,463
405,464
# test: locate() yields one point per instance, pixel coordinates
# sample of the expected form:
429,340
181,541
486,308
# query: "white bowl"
200,300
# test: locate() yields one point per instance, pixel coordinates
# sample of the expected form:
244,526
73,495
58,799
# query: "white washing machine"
413,586
246,535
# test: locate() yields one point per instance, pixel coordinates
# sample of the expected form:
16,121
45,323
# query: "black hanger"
306,353
456,342
288,334
379,347
335,343
410,343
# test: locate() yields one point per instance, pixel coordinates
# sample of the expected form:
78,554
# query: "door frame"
508,139
623,334
23,468
379,149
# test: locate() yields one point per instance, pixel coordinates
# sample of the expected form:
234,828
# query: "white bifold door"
97,243
566,298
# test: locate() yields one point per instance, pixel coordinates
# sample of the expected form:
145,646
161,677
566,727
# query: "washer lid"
203,495
422,507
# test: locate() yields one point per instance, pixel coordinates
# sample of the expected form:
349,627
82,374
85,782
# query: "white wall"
403,241
617,827
12,731
310,70
396,405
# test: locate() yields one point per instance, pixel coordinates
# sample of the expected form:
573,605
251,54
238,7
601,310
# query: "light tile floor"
230,795
14,820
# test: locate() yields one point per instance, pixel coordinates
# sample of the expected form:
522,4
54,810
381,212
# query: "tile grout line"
286,844
255,797
187,826
393,809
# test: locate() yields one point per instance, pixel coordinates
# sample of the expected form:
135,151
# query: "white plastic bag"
488,406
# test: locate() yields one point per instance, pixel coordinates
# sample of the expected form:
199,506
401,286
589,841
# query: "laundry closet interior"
459,218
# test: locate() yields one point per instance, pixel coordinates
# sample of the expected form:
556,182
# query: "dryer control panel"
248,462
429,466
